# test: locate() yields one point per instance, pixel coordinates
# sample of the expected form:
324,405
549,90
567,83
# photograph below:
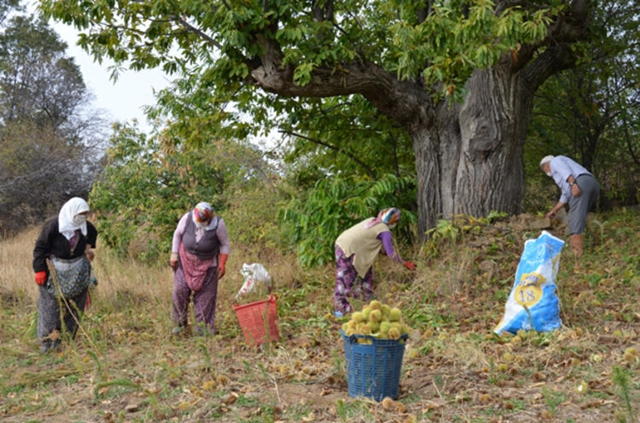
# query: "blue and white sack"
533,303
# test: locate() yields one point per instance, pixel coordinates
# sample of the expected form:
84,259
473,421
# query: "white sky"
121,100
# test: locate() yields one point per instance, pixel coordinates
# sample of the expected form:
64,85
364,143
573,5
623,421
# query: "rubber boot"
576,244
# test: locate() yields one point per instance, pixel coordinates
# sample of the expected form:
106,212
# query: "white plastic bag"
533,303
254,275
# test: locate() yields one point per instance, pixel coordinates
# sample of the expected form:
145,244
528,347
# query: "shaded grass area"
125,366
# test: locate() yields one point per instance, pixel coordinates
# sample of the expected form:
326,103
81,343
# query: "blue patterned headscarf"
389,217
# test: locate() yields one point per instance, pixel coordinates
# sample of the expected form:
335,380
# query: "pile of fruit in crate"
377,320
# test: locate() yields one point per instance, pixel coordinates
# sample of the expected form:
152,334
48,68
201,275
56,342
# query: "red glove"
409,265
222,261
41,277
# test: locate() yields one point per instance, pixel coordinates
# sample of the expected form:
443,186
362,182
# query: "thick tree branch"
554,60
571,26
557,56
567,28
397,99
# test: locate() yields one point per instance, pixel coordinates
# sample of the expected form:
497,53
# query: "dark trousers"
53,311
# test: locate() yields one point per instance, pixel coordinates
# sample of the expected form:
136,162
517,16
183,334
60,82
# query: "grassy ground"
125,366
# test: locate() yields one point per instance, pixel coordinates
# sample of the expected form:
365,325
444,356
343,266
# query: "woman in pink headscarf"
199,254
356,250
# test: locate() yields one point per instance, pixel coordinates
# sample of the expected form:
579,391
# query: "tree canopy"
297,50
271,59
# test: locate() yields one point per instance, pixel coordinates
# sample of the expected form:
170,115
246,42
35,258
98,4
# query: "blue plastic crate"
373,370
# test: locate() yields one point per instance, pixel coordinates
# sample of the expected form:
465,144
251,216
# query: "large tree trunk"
471,162
469,157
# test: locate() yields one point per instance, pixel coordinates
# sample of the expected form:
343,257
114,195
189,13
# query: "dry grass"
125,366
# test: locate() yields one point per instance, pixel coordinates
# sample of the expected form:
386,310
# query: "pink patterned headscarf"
202,213
389,217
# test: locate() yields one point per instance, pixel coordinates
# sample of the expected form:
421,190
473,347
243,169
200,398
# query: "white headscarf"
66,223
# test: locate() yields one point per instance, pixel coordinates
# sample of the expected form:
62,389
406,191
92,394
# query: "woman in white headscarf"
62,271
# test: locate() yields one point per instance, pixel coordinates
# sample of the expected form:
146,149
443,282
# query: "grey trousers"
50,313
579,206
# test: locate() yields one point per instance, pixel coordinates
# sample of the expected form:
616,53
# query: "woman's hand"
410,265
173,261
222,262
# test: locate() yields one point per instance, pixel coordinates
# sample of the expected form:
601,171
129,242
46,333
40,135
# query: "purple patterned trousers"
346,277
204,300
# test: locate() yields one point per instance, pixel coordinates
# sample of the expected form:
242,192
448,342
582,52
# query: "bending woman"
61,247
356,250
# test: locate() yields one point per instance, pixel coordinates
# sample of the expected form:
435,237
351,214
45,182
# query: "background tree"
7,7
149,182
591,112
407,59
50,140
339,181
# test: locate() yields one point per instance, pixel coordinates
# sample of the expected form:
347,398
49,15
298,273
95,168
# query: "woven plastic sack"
533,303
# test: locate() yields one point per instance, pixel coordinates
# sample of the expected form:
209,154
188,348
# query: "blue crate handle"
352,339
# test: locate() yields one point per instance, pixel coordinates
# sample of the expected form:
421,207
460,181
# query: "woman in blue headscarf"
356,250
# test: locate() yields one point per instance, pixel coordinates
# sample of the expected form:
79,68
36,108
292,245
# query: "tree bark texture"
470,160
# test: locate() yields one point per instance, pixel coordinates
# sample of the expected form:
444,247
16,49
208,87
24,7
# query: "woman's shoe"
49,345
